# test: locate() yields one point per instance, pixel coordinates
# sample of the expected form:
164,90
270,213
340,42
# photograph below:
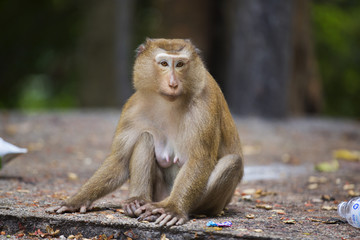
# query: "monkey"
176,141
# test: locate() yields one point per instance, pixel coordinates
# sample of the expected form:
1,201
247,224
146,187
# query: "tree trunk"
104,54
305,89
259,66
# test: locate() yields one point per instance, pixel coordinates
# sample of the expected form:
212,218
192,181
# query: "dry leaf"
313,179
279,211
347,155
352,193
327,198
289,221
23,191
72,176
328,208
251,149
163,237
264,206
120,211
249,191
250,216
332,166
348,187
313,186
247,198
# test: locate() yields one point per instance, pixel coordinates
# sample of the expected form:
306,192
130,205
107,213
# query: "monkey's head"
169,67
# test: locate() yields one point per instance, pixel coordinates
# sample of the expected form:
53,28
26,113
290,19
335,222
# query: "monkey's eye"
179,64
164,63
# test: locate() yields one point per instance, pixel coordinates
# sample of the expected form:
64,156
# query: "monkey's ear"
198,51
140,49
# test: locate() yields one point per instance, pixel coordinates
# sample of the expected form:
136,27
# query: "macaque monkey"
176,141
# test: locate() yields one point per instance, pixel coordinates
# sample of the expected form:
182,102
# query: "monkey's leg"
142,174
112,173
221,185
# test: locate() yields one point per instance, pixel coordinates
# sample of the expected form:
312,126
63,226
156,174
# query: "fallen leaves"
109,216
315,181
77,236
72,176
327,221
250,216
252,193
163,237
332,166
348,186
289,221
328,208
340,154
49,233
347,155
264,206
251,150
279,211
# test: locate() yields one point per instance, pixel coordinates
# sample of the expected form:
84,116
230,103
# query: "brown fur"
193,118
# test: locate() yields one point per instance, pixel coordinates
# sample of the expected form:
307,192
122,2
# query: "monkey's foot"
161,216
131,205
66,209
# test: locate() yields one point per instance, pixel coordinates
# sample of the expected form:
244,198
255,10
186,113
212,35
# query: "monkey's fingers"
158,211
151,218
135,205
130,209
147,216
169,220
163,219
181,221
141,210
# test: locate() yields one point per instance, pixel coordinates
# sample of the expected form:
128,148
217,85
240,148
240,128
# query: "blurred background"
272,58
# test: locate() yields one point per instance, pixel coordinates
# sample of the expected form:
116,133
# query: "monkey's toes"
83,209
64,209
52,209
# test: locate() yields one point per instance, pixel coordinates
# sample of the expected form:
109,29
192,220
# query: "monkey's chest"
166,153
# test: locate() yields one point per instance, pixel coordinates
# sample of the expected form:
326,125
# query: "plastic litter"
221,224
351,211
9,151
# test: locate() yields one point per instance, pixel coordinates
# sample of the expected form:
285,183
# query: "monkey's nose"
173,85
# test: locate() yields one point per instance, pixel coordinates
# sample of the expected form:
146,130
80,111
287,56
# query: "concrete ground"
282,196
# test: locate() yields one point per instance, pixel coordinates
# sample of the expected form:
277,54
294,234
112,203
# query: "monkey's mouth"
170,96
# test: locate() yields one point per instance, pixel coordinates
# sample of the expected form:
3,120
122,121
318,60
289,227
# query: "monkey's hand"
164,216
65,208
132,204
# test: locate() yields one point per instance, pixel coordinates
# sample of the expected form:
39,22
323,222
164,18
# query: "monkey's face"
169,68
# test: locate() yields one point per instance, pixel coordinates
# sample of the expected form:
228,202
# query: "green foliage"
337,38
37,53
